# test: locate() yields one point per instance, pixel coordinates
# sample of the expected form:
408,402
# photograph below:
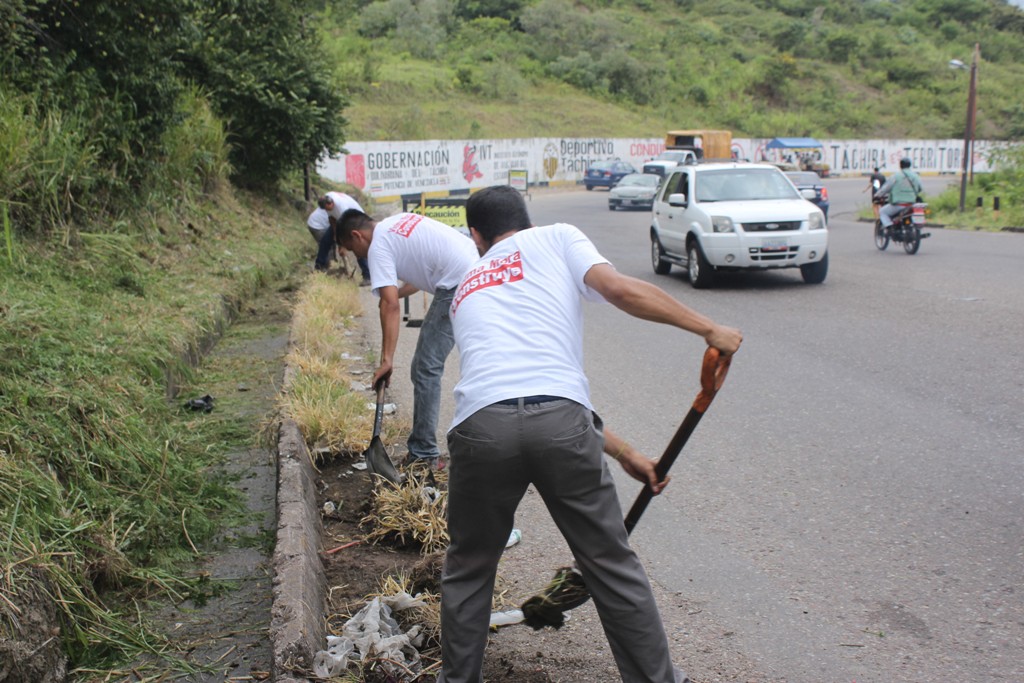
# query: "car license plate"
778,244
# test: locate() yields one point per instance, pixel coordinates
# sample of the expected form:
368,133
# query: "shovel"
378,462
568,590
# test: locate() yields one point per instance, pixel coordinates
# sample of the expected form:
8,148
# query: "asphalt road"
850,507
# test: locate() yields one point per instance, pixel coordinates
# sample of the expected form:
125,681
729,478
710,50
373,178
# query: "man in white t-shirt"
406,253
523,416
333,205
319,223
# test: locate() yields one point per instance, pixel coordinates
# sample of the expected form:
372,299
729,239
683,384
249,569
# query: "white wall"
387,170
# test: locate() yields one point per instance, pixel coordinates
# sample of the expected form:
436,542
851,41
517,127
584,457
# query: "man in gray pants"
523,416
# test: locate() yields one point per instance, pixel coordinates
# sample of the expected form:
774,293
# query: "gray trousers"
557,446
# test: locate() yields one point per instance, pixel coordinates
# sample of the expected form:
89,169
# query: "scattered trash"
329,508
389,408
374,634
204,404
347,356
513,616
514,538
361,465
430,494
350,544
355,385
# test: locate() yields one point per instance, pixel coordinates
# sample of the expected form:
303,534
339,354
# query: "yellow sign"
517,178
448,210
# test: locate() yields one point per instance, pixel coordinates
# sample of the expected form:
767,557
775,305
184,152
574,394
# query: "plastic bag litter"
512,616
203,404
389,408
514,538
374,634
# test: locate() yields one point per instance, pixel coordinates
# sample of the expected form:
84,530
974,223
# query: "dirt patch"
355,568
30,646
515,654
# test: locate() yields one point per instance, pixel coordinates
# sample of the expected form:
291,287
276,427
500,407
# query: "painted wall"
387,170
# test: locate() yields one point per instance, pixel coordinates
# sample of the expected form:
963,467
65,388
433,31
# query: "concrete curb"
296,619
297,630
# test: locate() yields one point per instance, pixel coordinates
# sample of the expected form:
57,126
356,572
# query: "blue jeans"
886,213
432,348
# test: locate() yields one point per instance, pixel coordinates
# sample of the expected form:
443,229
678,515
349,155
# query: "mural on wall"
391,169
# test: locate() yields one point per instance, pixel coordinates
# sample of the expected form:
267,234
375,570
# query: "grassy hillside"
522,68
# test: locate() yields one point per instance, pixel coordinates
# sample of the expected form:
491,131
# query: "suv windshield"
743,184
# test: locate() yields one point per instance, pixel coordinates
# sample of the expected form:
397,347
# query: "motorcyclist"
902,188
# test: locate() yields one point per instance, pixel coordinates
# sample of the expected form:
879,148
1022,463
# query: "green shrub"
196,147
48,161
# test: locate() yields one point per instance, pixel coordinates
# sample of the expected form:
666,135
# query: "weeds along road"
850,507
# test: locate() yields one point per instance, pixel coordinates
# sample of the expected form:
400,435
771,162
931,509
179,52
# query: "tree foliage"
829,66
123,66
269,79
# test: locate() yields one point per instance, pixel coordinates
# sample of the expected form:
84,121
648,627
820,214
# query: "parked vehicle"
809,180
728,216
606,173
905,229
690,146
706,144
667,160
635,190
807,154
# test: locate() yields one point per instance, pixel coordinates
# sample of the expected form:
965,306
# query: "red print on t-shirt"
405,226
497,271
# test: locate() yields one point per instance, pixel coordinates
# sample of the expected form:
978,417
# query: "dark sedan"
807,180
606,173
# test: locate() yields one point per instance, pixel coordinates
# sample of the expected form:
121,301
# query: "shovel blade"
378,462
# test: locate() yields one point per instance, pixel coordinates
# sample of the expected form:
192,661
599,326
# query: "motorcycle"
905,228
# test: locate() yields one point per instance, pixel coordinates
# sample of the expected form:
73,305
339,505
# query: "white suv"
726,216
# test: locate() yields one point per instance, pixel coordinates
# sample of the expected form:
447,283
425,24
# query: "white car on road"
728,216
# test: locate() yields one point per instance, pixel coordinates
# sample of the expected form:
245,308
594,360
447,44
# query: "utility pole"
969,130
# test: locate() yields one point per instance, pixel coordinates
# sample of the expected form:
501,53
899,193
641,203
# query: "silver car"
635,190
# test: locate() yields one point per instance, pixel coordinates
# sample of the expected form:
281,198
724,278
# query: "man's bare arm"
390,317
643,300
633,461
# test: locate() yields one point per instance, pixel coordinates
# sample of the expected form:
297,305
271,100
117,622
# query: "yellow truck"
705,144
690,146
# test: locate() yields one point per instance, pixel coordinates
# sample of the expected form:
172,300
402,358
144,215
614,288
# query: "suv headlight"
722,224
816,221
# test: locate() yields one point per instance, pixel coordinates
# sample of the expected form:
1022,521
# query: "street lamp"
971,111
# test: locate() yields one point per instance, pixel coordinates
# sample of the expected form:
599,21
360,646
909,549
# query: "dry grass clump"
326,308
328,412
327,363
413,515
